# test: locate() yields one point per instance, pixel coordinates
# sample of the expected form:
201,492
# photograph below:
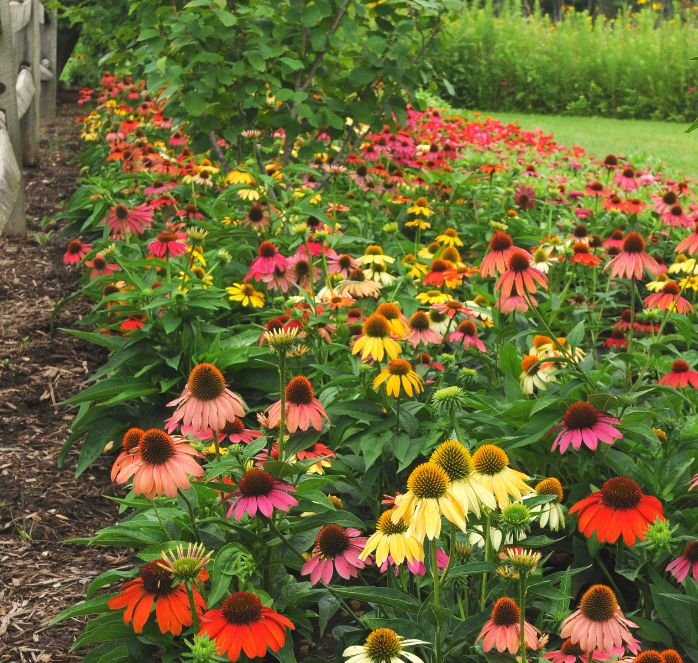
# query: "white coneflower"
383,646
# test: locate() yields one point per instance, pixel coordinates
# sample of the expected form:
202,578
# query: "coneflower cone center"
242,608
382,645
301,268
676,210
468,328
490,460
671,656
428,481
454,459
528,362
671,288
519,262
500,242
206,382
550,486
581,415
332,540
299,391
344,261
617,234
633,243
255,214
131,439
74,247
99,262
670,198
580,247
433,247
387,526
680,366
256,482
570,648
399,367
649,656
450,253
580,231
166,237
598,603
438,265
505,612
157,580
233,427
451,232
691,552
156,447
419,321
121,212
389,311
621,493
357,275
373,251
267,250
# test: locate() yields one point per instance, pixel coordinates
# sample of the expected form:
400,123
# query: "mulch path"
42,577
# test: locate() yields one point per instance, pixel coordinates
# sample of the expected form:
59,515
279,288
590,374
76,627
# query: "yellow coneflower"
450,237
375,340
419,223
245,293
433,297
374,256
240,175
421,206
429,251
493,472
391,539
416,268
397,321
682,264
399,372
428,498
484,315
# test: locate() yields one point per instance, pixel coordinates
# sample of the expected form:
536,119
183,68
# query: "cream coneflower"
493,472
383,646
551,513
205,401
599,623
374,256
454,459
428,498
542,261
358,286
536,375
302,408
391,539
399,374
375,341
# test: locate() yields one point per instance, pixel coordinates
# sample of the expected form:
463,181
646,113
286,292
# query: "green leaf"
221,575
372,448
97,436
386,596
256,60
226,18
94,606
344,518
575,337
195,103
509,361
327,607
106,578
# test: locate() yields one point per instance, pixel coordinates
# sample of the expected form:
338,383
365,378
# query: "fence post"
49,50
30,122
16,225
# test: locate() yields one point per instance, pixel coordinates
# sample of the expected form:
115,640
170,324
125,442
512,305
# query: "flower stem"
191,514
192,607
522,613
397,416
486,534
215,444
451,554
282,412
621,600
437,587
157,513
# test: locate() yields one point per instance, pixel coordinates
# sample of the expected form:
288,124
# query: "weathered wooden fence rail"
27,99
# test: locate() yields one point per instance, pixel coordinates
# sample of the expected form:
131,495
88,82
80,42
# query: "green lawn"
601,136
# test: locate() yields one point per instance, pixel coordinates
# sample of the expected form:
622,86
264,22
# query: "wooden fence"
27,99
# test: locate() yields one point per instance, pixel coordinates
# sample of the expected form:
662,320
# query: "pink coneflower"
129,450
76,252
414,565
503,629
525,197
122,220
625,178
501,249
452,308
259,490
584,423
299,270
599,623
688,562
467,333
617,340
162,465
168,245
234,431
688,245
100,266
632,260
190,211
570,653
582,254
302,408
521,275
279,280
676,217
668,299
615,240
335,548
267,260
340,264
514,303
680,375
158,187
205,401
178,139
421,331
662,204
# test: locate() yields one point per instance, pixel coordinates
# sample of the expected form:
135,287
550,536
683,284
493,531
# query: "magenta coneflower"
521,275
267,261
501,249
680,375
599,623
690,244
688,562
676,217
625,178
158,187
168,245
571,653
162,465
122,220
421,331
100,266
584,423
452,308
503,629
234,431
668,299
632,260
662,204
76,252
302,408
467,333
335,548
525,197
615,240
205,401
259,490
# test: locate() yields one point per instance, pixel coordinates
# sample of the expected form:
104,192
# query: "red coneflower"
157,585
335,548
259,490
613,202
501,249
244,624
436,272
503,629
521,275
632,260
168,245
634,206
668,299
617,340
302,408
619,507
100,266
525,197
628,318
191,212
76,252
690,244
584,423
615,240
595,189
133,322
583,255
680,375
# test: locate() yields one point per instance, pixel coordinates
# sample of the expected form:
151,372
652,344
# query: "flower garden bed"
448,377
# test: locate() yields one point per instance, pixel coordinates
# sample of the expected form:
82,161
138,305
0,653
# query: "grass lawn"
631,138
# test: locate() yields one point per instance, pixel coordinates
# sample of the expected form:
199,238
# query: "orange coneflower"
501,249
503,629
129,446
583,255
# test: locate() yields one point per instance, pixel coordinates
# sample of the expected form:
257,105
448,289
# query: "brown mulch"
42,577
